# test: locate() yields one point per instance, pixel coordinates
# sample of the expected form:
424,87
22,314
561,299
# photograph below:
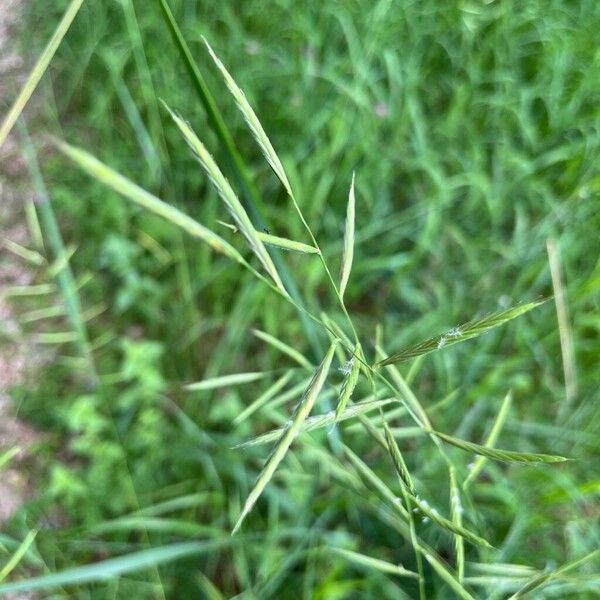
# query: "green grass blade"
350,381
267,395
348,253
109,177
447,576
113,567
544,578
375,563
39,69
283,347
252,121
456,511
224,381
17,555
491,438
237,211
460,334
289,434
497,454
7,455
320,421
60,270
33,257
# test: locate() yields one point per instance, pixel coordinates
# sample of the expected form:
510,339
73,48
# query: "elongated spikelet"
289,433
350,380
252,120
225,191
460,334
348,253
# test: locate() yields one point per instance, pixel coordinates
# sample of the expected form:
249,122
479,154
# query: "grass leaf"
460,334
375,563
39,69
348,253
491,438
447,576
224,381
283,347
456,511
109,177
18,554
264,397
496,454
288,434
113,567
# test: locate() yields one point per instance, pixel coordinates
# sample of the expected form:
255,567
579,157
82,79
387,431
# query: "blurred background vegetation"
473,129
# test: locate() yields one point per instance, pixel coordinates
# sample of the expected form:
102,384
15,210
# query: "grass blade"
320,421
224,381
39,69
491,438
350,381
456,511
375,563
60,270
252,121
18,554
447,576
545,578
460,334
113,567
98,170
283,347
348,253
229,197
289,434
264,398
497,454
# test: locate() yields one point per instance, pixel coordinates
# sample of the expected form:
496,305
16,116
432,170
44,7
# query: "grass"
470,130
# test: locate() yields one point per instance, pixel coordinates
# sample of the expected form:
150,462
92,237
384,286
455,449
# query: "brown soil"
15,354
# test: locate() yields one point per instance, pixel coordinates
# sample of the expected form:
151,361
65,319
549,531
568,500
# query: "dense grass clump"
322,275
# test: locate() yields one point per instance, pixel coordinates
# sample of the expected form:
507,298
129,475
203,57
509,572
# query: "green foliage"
471,131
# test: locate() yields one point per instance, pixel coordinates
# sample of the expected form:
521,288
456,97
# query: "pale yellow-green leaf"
224,381
39,69
109,177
